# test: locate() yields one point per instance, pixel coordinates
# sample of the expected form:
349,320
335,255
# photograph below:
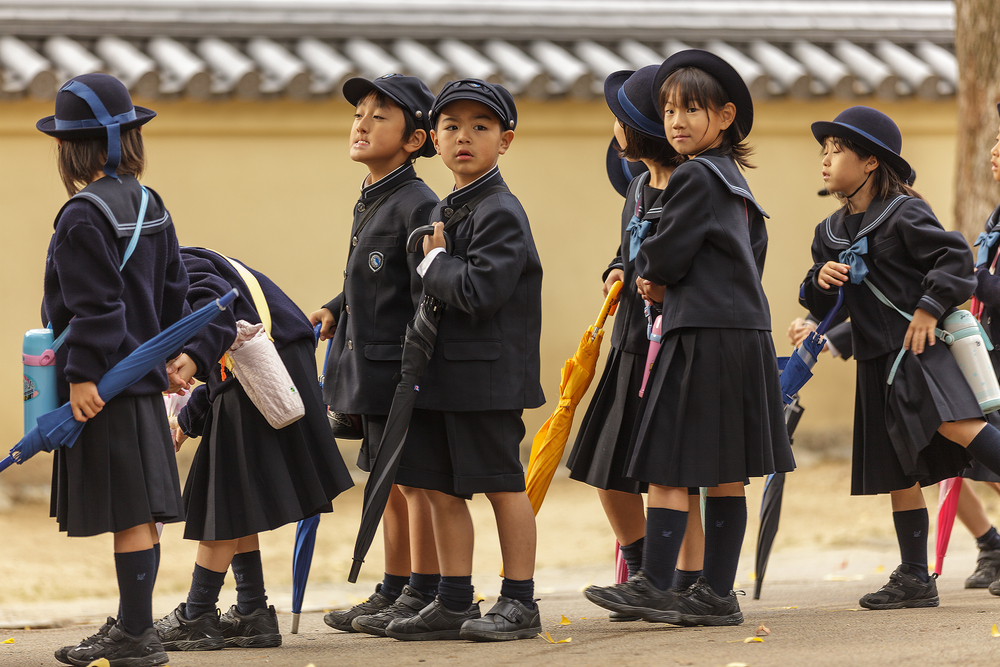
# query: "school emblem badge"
375,261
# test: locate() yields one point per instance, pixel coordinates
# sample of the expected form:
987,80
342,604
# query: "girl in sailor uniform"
712,413
599,456
916,419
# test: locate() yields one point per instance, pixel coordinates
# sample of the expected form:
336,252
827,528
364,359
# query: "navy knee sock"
632,553
725,526
990,540
204,593
664,534
456,592
985,448
136,571
911,533
249,575
684,578
156,571
522,590
426,584
392,585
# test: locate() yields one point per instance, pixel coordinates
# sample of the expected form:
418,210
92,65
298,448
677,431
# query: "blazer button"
350,345
354,241
448,212
361,207
347,309
345,273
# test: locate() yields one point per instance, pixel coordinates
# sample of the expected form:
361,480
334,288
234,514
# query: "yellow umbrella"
550,441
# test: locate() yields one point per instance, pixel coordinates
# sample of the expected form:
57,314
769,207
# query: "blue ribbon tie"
985,242
637,229
853,258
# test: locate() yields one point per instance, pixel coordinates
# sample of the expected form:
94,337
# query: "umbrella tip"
295,623
355,571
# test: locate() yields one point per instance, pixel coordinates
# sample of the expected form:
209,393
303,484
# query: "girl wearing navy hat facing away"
599,455
916,419
121,476
712,412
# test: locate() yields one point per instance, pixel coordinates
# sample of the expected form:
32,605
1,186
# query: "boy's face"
377,136
995,159
692,129
844,170
469,138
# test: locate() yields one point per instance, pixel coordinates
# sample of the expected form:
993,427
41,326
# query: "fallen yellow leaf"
100,662
547,637
752,576
763,630
880,568
753,640
11,640
565,621
993,631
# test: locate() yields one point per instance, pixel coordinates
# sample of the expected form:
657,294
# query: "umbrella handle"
610,304
355,571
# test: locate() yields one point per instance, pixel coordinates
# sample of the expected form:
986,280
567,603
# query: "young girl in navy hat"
916,419
599,455
712,412
121,476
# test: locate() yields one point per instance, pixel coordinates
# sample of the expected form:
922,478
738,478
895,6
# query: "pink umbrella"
948,492
655,337
621,567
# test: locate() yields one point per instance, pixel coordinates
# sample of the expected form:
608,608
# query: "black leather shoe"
508,619
407,605
341,620
177,633
258,629
435,621
635,597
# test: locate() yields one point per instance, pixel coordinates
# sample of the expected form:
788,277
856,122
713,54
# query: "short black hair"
639,146
382,101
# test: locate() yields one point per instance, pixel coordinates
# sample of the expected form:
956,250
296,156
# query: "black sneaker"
618,617
700,605
903,590
635,597
987,569
103,630
199,634
120,649
258,629
408,604
341,620
994,587
508,619
435,621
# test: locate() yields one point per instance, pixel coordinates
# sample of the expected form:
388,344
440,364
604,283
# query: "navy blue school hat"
621,171
869,128
729,78
95,105
627,95
408,92
492,95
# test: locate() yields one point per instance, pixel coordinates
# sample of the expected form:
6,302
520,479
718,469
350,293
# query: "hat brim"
621,171
355,89
612,85
48,126
824,128
731,81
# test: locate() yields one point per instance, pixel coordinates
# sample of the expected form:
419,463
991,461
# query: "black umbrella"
418,346
770,504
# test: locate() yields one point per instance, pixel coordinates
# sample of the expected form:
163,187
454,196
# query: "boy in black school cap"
368,318
465,434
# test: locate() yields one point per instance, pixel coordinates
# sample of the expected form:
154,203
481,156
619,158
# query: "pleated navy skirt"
121,473
248,477
599,456
712,411
896,444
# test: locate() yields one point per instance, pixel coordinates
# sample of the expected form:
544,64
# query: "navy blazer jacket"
486,355
911,259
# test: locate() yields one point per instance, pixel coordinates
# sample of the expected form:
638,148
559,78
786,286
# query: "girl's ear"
871,165
728,115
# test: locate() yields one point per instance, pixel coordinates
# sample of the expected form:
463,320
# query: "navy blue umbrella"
797,369
59,429
305,542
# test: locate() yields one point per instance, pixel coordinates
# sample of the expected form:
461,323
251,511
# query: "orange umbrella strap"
610,304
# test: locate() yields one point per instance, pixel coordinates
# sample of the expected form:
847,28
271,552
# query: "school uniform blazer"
708,249
988,291
212,276
113,310
486,354
629,333
911,259
376,303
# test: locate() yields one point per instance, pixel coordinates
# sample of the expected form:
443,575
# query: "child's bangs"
690,86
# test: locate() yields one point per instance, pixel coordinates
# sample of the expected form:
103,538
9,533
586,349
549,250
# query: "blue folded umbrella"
305,542
59,429
797,369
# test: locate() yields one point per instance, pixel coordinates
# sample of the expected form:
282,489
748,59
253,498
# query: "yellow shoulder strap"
256,293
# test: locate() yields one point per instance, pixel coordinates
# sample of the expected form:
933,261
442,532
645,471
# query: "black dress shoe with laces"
635,597
258,629
435,621
120,649
701,605
407,605
177,633
341,620
508,619
903,590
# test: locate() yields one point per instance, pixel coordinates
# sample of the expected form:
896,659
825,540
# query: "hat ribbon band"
90,122
644,124
867,136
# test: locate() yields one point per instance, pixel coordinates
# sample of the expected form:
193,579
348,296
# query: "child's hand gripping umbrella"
797,369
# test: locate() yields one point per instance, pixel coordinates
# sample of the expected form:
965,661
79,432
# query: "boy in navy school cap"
367,320
465,434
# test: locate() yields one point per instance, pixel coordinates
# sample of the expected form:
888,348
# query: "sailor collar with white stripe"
877,213
463,194
725,168
403,172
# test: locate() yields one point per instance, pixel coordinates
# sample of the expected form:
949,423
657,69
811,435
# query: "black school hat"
729,78
621,171
493,95
95,105
627,95
869,128
408,92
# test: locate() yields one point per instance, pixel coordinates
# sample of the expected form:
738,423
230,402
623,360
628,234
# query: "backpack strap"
256,293
463,212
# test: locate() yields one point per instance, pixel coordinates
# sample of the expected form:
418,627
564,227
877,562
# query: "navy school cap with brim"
627,95
730,80
95,105
869,128
621,172
410,93
493,95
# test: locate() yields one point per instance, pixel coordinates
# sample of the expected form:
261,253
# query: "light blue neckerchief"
638,228
853,257
985,241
